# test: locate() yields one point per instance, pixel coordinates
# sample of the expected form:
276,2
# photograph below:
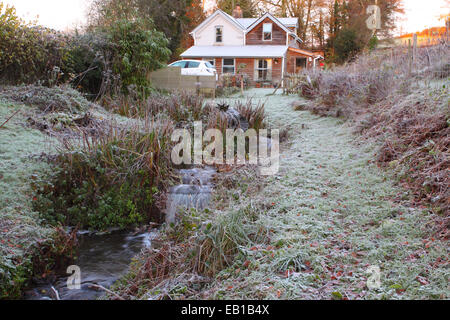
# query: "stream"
103,259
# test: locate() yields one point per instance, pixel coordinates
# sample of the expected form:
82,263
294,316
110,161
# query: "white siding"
232,35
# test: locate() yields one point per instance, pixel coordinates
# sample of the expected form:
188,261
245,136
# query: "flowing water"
103,259
194,192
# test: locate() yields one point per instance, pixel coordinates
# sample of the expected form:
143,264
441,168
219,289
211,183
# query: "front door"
263,70
300,64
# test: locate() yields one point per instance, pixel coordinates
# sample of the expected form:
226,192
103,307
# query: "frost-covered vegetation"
103,60
22,235
405,104
113,180
311,231
71,163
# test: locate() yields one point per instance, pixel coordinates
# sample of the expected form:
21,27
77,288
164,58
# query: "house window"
267,31
228,66
219,34
263,70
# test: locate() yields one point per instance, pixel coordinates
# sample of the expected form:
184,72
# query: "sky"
66,14
422,14
57,14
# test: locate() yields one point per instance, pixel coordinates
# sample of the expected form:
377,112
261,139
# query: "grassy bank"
55,148
21,228
405,106
311,231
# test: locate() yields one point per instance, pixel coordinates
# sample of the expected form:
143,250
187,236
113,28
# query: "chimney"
237,12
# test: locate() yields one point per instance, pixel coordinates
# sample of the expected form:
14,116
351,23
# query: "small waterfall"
194,192
236,120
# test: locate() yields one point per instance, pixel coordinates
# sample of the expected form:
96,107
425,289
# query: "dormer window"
267,31
219,34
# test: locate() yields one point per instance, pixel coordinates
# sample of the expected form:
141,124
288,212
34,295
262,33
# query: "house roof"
245,23
304,52
288,22
235,52
215,14
271,17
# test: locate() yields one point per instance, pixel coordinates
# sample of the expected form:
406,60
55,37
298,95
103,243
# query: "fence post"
197,85
409,57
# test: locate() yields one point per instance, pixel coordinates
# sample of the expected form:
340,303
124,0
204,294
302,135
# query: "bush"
346,45
102,61
55,99
88,55
29,53
114,180
136,50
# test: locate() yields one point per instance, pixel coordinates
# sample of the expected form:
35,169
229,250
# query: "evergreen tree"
248,7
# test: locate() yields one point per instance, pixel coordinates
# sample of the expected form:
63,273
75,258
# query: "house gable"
205,33
254,34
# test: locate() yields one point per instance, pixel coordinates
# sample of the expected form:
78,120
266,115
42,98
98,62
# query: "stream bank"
194,192
105,258
333,214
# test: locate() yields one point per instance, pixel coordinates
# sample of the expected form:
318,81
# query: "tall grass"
190,255
179,106
254,114
111,179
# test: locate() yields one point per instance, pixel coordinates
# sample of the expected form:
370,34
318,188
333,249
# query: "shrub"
136,50
88,61
55,99
113,179
29,53
346,45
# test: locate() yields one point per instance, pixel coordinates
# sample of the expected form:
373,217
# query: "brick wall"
249,68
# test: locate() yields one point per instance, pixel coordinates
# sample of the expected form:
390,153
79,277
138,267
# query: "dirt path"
332,215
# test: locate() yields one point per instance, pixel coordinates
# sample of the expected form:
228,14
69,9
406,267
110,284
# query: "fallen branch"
9,118
276,89
107,290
